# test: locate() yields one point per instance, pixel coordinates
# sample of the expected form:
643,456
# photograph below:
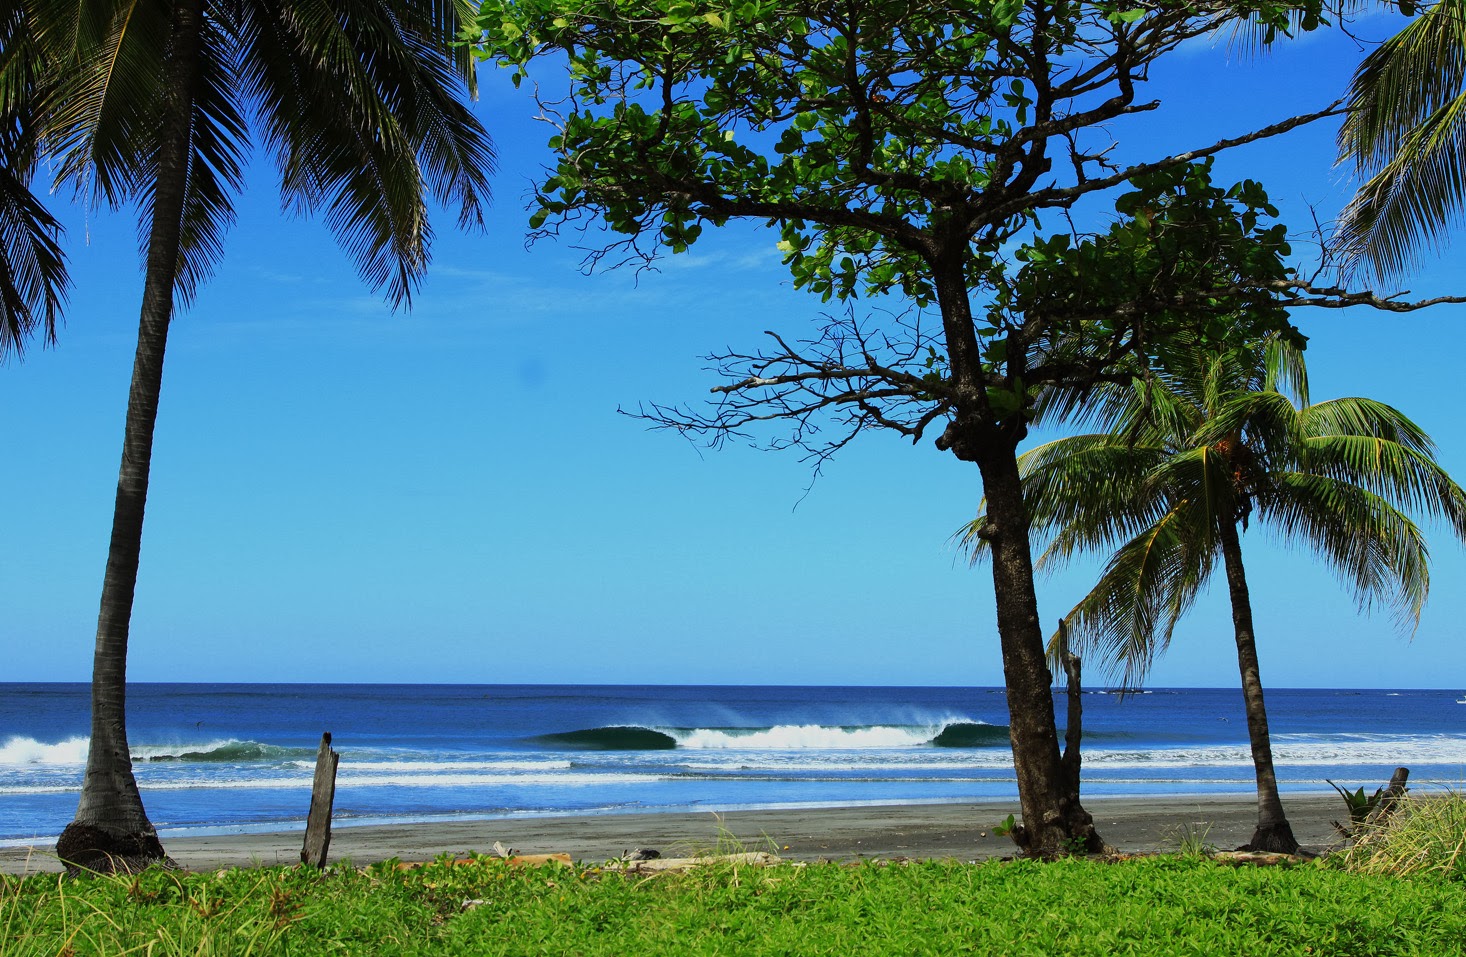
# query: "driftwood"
511,860
1255,858
662,865
656,865
323,798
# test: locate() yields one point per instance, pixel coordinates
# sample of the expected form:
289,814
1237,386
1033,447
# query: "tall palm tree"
1188,460
32,266
1406,133
156,103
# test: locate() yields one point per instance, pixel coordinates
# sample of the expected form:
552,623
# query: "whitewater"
222,758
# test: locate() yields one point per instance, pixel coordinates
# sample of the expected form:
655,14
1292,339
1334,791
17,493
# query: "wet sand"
961,831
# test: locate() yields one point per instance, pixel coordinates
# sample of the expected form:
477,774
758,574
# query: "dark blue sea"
217,758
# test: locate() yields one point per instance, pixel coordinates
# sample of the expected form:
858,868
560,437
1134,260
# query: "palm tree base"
84,848
1272,839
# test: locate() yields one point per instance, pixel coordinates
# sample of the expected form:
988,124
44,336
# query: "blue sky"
344,494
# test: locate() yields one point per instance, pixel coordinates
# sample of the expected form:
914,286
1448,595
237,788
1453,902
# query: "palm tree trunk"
111,830
1273,831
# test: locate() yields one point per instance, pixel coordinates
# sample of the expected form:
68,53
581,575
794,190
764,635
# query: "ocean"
222,758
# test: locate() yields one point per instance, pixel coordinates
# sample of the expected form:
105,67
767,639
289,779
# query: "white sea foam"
21,752
434,766
1298,750
351,780
807,736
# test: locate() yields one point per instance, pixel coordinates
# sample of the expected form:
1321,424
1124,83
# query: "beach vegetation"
1191,840
1073,906
1190,456
155,106
1356,802
1424,835
943,155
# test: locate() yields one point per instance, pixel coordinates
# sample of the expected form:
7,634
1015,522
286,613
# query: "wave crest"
613,738
784,737
229,751
19,752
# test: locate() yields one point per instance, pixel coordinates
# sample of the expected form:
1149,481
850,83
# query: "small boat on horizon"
1461,700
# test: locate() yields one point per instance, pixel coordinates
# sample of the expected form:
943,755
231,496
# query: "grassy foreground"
1158,905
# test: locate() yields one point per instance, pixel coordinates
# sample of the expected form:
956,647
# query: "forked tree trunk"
1273,832
111,830
1053,818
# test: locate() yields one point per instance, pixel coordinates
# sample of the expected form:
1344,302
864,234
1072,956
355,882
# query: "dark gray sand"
962,831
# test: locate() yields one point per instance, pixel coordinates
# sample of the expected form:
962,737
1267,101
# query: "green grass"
1160,905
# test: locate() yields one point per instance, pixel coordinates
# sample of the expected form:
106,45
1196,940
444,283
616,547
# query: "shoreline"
962,831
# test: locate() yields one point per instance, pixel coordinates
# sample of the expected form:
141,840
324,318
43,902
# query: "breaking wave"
19,752
22,752
784,737
227,752
614,738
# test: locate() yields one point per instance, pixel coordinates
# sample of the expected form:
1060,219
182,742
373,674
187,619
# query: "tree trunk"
1053,818
111,831
1273,832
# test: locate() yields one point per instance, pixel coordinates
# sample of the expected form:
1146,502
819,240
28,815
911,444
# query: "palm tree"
1406,132
32,266
155,102
1188,460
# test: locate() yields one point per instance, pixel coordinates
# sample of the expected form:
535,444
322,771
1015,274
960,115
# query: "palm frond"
1376,550
33,276
1221,440
1083,492
1402,83
1284,369
364,124
1403,474
1406,131
1126,621
1365,417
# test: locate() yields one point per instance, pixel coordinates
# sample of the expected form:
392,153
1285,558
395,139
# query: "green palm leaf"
1406,131
1376,550
1195,450
33,277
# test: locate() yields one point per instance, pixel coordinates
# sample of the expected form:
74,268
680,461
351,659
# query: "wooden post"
1074,721
323,797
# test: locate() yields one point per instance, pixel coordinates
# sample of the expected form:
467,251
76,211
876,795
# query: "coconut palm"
32,266
156,103
1189,460
1406,132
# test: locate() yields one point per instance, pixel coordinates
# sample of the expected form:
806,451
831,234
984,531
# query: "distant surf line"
784,737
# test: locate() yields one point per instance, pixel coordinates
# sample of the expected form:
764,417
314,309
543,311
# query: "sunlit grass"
1153,905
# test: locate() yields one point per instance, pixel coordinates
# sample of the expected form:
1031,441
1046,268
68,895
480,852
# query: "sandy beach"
962,831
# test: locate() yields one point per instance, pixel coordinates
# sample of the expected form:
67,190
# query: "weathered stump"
323,798
1387,797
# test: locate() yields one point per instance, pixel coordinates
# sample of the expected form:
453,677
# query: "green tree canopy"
926,150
